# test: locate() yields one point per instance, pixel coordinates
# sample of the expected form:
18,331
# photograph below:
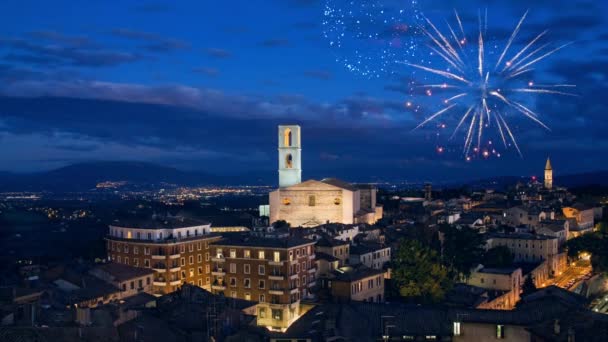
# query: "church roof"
548,165
339,184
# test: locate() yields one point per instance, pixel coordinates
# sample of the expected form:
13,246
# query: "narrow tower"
290,165
548,175
428,192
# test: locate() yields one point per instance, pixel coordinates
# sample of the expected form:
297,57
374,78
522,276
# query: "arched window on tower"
287,137
288,161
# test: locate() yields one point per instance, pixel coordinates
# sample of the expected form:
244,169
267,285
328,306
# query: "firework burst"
486,89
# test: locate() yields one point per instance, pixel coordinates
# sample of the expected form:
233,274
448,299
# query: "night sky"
201,85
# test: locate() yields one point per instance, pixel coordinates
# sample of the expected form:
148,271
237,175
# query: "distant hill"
85,176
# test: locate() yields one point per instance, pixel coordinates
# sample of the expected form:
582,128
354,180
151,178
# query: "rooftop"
339,184
158,222
121,272
519,236
254,241
353,274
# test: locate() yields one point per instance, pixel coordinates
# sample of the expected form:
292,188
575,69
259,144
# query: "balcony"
276,276
275,263
175,282
312,270
158,257
218,272
218,258
294,290
278,292
312,283
218,287
175,269
159,283
160,268
312,256
174,256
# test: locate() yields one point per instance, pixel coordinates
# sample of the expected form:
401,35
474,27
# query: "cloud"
218,53
318,74
211,72
67,54
57,37
156,43
272,43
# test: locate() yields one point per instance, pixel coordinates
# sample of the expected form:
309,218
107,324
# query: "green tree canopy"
418,273
528,286
499,256
594,243
462,249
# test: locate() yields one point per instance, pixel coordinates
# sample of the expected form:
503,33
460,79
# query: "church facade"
312,203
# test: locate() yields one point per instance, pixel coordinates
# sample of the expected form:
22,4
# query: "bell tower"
548,175
290,149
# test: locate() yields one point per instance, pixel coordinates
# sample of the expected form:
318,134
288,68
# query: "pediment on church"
313,185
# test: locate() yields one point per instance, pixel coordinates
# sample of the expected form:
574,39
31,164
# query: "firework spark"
487,89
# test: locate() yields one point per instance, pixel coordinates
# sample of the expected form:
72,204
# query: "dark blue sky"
203,84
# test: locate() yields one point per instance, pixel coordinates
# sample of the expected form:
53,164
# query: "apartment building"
276,272
177,249
336,248
130,280
360,284
372,255
530,248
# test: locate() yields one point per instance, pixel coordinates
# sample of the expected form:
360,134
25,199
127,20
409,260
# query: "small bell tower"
290,150
548,175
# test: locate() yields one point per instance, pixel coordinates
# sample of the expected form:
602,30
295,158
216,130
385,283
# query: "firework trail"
485,88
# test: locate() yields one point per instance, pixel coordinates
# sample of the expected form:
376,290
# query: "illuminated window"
288,161
129,235
261,255
500,331
311,201
457,329
277,256
247,296
287,137
286,201
247,253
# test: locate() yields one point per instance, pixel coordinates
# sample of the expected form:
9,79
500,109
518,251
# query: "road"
575,272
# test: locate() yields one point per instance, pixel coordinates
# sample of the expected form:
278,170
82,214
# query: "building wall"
174,263
527,250
277,283
341,252
375,259
503,282
368,289
482,332
293,206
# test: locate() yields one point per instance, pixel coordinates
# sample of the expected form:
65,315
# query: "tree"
418,274
280,224
594,243
462,249
528,287
499,256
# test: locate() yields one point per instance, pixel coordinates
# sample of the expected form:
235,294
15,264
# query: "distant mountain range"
85,176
